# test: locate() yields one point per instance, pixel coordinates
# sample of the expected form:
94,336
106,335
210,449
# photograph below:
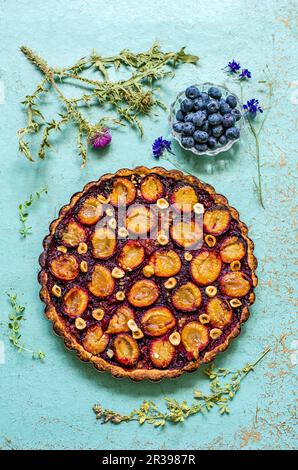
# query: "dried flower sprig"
24,211
220,394
15,319
130,98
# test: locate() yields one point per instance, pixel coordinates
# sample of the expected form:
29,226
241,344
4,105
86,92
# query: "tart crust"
101,364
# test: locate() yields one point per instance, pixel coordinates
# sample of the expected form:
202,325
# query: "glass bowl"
204,87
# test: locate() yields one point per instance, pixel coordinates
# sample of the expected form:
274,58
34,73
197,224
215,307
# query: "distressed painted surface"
49,405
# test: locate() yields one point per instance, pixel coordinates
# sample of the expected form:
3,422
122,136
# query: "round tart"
141,269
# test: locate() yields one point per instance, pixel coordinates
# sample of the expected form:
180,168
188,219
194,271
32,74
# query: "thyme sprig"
177,412
24,211
130,97
15,319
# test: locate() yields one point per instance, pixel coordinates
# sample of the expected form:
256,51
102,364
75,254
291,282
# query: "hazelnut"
187,256
120,295
198,208
56,290
210,240
204,318
84,266
162,239
162,203
62,248
122,232
235,303
148,270
175,338
112,223
211,291
98,313
215,333
118,273
170,283
235,266
82,248
132,325
138,334
80,323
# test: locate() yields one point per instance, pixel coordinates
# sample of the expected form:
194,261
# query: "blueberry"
212,107
186,105
187,142
224,108
201,147
228,120
217,131
231,100
236,114
188,128
212,142
199,118
205,127
201,136
192,92
180,115
189,117
205,97
178,127
198,104
215,119
222,140
232,133
214,92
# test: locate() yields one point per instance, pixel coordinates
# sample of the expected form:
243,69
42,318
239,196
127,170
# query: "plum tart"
147,273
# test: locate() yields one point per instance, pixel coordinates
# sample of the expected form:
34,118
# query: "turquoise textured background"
48,405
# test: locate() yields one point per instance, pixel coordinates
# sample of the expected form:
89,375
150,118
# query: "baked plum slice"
161,352
217,220
123,192
194,337
102,283
65,267
205,267
95,340
220,312
188,234
72,234
75,301
184,198
143,293
132,255
187,297
126,349
103,243
90,211
118,322
235,284
232,249
166,263
157,321
139,219
151,188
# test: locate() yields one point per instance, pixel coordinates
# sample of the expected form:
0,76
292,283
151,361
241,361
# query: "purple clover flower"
161,145
101,139
252,107
245,73
234,66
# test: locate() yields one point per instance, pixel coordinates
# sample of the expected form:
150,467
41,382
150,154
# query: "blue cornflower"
160,145
245,73
252,107
234,66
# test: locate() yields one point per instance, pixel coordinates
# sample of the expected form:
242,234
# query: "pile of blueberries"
206,120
